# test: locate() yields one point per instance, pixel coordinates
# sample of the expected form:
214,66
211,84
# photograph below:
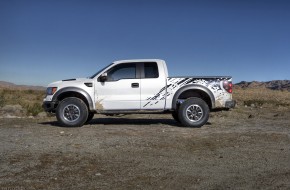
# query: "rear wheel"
193,112
72,112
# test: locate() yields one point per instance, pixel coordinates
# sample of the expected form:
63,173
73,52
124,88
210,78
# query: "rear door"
121,91
153,86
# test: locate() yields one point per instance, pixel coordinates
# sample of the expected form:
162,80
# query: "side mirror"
103,77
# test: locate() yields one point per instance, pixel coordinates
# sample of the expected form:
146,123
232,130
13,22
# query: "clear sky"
42,41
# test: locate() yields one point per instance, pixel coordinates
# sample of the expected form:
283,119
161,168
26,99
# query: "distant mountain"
9,85
273,85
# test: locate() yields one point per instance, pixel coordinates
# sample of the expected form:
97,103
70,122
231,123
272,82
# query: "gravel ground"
245,148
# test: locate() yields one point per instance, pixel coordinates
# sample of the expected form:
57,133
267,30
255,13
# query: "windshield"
93,76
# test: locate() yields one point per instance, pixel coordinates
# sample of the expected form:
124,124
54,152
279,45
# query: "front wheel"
90,117
72,112
193,112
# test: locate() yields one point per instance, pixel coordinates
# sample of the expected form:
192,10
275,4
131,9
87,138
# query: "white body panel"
148,90
78,83
117,95
149,87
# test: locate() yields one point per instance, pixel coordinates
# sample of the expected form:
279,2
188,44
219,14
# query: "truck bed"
213,83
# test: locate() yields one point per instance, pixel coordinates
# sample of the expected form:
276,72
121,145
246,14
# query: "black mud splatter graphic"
173,84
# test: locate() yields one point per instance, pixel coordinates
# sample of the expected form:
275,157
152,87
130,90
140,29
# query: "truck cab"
126,85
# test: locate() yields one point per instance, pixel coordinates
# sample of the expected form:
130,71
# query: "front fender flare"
77,90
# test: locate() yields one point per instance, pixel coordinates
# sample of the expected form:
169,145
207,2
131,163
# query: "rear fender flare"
193,87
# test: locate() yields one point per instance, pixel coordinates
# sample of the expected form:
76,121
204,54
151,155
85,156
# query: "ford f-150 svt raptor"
138,86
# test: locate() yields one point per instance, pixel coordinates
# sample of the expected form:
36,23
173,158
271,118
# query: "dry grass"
261,97
30,100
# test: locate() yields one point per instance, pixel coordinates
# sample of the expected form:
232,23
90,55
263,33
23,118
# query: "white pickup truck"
138,86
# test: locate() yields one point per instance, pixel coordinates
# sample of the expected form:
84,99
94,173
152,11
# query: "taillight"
228,86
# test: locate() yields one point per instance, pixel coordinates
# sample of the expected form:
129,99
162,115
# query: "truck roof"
138,60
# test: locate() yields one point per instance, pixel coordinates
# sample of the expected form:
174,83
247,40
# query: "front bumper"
230,104
49,106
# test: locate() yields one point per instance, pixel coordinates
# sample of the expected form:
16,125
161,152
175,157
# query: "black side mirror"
103,77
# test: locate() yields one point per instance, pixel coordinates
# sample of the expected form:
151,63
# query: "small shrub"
2,100
34,109
29,91
254,102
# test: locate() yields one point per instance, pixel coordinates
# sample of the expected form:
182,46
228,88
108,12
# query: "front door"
121,90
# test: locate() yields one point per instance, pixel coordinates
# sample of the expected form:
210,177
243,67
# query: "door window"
122,71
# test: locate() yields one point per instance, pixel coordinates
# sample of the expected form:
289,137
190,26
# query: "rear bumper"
230,104
49,106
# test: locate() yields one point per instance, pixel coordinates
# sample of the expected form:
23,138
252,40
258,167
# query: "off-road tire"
90,116
175,116
72,112
193,112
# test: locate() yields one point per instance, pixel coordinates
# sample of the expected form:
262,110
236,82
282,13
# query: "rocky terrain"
245,148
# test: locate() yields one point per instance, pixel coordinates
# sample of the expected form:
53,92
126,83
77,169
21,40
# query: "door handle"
135,85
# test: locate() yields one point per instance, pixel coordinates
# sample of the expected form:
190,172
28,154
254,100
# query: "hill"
12,86
283,85
273,85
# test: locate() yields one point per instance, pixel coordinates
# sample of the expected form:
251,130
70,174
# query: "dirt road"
246,148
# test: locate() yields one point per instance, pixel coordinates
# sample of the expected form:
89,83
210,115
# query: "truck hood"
70,82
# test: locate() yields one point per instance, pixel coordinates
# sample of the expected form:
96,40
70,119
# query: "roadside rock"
41,115
12,110
251,116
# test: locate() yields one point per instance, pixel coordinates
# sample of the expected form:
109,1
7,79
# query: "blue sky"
44,41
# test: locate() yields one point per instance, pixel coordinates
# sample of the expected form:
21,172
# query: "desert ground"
245,148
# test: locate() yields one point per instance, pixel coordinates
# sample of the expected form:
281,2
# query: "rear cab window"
151,70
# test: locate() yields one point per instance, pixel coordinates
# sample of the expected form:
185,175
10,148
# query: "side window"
122,71
151,70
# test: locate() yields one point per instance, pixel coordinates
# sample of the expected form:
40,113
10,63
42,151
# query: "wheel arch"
73,92
194,90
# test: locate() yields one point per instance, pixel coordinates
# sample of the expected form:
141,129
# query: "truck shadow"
132,121
125,121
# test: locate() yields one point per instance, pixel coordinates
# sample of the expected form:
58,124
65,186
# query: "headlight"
51,90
